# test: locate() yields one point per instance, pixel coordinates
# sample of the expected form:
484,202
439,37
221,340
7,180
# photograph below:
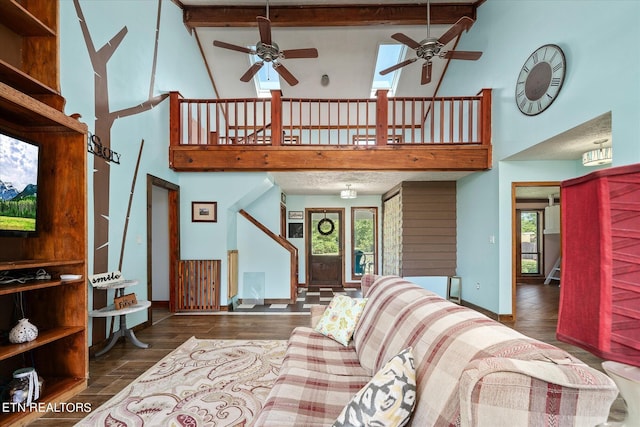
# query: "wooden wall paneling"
429,228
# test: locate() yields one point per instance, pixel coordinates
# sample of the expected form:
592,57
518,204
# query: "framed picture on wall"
296,215
204,211
296,230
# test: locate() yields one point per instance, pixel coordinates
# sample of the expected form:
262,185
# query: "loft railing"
343,122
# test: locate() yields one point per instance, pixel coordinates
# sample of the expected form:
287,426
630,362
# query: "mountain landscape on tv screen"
9,192
18,185
18,208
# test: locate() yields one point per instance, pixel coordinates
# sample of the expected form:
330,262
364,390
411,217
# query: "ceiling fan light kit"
433,47
269,51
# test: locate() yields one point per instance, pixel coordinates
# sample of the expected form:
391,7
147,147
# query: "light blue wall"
253,192
603,60
257,253
601,47
129,71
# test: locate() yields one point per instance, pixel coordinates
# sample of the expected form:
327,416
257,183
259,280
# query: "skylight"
266,79
388,55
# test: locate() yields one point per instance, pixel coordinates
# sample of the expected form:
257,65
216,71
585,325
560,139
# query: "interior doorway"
536,233
160,247
163,242
325,247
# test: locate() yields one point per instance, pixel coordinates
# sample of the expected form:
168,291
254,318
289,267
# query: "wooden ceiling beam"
328,15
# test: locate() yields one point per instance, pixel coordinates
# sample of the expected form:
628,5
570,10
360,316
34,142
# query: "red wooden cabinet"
600,274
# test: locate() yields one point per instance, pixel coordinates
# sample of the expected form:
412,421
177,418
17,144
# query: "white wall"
600,45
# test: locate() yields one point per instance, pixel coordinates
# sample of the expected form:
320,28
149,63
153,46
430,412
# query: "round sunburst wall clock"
540,79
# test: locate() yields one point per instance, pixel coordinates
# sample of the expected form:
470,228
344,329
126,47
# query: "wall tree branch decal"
104,120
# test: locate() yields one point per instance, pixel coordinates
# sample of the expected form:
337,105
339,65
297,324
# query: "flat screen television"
19,172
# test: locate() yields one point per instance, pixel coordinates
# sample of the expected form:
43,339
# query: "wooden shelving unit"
58,308
31,108
23,22
29,54
17,78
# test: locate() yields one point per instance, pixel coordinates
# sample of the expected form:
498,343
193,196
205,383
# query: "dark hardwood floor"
537,315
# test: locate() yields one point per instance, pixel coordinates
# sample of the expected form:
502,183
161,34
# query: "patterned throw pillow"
339,320
387,400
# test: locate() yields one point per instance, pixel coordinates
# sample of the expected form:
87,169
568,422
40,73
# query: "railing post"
276,118
174,123
486,117
382,116
174,118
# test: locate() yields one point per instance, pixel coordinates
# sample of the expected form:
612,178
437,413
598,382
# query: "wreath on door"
326,226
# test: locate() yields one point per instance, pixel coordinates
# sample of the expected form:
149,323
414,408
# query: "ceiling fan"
268,51
431,47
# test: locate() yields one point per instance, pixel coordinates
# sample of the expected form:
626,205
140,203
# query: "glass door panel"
364,238
530,242
325,263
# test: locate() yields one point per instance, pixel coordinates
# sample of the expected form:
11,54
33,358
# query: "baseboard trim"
506,318
160,304
479,309
269,301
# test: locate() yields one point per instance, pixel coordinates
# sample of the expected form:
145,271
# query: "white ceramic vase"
24,331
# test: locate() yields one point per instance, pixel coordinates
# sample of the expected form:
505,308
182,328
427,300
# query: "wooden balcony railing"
270,125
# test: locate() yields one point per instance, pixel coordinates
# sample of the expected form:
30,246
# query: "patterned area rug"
201,383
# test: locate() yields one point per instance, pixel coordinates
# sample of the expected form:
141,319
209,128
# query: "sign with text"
104,279
125,301
95,147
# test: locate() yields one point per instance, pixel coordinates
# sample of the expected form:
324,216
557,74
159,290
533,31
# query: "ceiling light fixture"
599,156
349,193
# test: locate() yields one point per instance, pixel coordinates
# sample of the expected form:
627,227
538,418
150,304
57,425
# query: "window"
364,238
388,55
267,79
530,242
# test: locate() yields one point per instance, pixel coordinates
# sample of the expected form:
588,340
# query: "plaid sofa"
470,370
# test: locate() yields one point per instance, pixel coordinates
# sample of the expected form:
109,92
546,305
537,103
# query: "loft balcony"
286,134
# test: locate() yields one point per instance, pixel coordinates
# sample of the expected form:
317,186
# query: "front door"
325,243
